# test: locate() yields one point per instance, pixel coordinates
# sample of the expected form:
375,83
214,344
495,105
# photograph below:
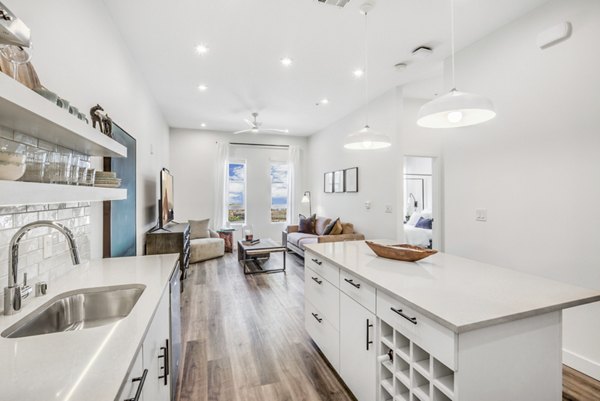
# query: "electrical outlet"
388,208
481,214
47,246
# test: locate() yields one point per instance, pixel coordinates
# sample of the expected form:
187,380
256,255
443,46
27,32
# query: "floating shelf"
31,193
23,110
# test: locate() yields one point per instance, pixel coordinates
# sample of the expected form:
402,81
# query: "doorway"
421,202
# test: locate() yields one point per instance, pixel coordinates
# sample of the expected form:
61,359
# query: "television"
166,203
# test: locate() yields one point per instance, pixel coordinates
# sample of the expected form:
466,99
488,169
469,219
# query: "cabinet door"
357,348
133,380
155,347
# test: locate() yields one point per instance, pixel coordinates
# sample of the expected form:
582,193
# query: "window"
279,192
236,188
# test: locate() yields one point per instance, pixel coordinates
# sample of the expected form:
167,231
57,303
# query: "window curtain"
220,207
294,183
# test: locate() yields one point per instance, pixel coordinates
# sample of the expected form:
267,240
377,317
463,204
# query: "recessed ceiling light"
202,49
202,87
324,101
286,61
358,73
203,125
400,66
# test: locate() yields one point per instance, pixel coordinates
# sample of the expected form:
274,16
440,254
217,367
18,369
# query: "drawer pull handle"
319,319
369,342
317,261
352,283
413,320
165,368
316,280
138,392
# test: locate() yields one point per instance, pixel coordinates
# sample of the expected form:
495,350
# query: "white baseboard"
582,364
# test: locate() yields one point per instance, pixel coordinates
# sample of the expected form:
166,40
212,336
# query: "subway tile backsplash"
75,216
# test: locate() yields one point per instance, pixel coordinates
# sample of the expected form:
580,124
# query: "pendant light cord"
366,70
452,43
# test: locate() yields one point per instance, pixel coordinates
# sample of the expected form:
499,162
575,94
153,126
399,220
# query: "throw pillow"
199,229
306,225
320,225
347,228
337,228
424,223
329,227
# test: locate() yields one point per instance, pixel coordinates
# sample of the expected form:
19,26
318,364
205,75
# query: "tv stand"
172,238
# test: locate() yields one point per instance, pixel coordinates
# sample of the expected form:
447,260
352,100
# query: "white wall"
78,53
536,167
193,165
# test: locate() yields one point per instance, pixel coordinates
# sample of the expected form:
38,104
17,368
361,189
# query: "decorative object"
120,237
306,199
12,160
338,181
248,233
351,179
455,109
17,55
328,183
227,235
403,252
101,118
367,138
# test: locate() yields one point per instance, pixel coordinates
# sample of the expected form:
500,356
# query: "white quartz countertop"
88,364
458,293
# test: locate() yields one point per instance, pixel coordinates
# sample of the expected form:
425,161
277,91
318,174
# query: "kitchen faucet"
15,292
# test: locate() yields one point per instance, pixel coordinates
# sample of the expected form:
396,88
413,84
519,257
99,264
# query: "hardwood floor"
244,340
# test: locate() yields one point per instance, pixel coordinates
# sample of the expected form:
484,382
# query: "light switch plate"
388,208
481,214
368,205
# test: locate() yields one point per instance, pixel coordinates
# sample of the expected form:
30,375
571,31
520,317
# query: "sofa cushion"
206,248
321,225
296,238
306,224
307,240
347,228
199,229
330,226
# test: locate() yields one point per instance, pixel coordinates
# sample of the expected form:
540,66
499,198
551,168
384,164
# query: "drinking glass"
17,55
84,166
35,164
73,178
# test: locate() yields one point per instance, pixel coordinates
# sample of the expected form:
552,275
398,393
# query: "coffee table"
254,255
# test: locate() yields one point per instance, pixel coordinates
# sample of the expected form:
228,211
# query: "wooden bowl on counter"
403,252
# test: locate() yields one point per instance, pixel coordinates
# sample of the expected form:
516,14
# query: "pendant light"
367,138
455,109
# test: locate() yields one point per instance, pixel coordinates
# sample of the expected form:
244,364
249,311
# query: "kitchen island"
445,328
97,363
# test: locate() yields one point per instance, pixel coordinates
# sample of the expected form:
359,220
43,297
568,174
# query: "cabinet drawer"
323,334
325,269
322,294
436,339
358,290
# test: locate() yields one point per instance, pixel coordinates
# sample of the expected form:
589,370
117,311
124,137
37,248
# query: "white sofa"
204,244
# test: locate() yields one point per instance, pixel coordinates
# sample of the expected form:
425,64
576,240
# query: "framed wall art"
351,179
338,181
328,182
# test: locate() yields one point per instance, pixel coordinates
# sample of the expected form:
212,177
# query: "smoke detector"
422,52
337,3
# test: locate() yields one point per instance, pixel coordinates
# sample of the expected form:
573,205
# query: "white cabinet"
135,381
149,377
156,354
357,348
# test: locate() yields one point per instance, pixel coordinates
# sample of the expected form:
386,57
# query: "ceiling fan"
255,127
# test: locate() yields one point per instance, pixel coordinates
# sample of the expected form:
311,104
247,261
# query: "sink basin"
78,310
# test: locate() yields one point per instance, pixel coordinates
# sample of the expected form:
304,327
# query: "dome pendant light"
367,138
455,109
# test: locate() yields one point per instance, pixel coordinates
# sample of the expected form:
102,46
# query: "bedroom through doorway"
419,198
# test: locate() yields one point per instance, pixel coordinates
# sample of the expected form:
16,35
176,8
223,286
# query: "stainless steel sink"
78,310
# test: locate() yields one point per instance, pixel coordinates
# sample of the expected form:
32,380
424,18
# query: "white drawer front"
323,334
325,269
323,295
358,290
434,338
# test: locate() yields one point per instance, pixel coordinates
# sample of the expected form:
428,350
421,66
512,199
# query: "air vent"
338,3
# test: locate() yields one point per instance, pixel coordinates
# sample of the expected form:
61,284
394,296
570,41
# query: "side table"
227,235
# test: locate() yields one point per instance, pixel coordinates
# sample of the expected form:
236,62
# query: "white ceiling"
247,38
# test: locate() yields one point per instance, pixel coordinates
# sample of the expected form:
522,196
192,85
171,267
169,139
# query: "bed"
419,236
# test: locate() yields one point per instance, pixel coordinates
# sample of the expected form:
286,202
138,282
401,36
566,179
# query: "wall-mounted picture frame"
328,182
351,179
338,181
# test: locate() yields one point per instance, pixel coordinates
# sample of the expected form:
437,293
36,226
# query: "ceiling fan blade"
275,131
242,131
250,123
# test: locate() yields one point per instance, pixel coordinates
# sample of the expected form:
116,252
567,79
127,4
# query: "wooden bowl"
403,252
